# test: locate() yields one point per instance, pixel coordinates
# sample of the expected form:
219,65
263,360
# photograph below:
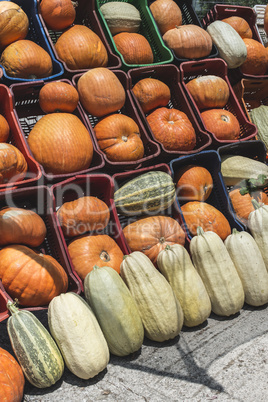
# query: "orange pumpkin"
90,53
152,234
13,165
57,96
101,92
57,14
197,213
83,215
12,379
61,143
242,204
134,48
32,278
193,183
167,14
222,123
173,129
19,225
151,93
100,250
188,41
209,91
118,137
14,23
240,25
4,129
256,62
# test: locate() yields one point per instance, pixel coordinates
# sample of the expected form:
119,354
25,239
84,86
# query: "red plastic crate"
170,75
191,70
4,314
151,148
27,112
85,15
39,200
16,138
97,185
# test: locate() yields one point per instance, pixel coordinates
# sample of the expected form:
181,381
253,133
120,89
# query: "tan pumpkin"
4,129
57,96
121,16
265,21
13,165
167,14
12,379
31,277
58,14
25,59
172,128
134,48
222,123
188,41
14,23
82,215
193,183
90,53
242,203
151,93
256,62
61,143
101,92
240,25
197,213
119,138
151,235
90,250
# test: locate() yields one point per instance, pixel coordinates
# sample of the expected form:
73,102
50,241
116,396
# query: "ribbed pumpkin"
13,165
151,235
14,23
90,53
32,278
119,138
83,215
4,129
90,250
167,14
172,128
193,183
134,48
256,62
25,59
21,226
188,41
242,204
222,123
101,92
151,93
11,379
240,25
202,214
61,143
57,96
57,14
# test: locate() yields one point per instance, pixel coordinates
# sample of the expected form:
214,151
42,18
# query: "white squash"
121,16
258,226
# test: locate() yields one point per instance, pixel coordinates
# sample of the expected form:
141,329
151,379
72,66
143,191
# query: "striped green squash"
34,347
151,191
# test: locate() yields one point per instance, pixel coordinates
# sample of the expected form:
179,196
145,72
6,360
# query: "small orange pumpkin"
57,14
13,165
134,48
193,183
167,14
4,129
222,123
242,204
256,62
12,379
240,25
14,23
151,93
57,96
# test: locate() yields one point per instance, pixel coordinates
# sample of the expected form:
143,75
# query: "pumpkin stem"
235,231
167,247
255,204
199,230
104,256
162,240
74,3
95,267
12,306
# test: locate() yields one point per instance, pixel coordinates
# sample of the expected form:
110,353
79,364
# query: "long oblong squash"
217,270
34,347
160,311
258,226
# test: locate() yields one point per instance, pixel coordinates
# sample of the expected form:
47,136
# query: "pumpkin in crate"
134,48
242,202
197,213
90,53
12,379
222,123
57,96
14,23
13,165
58,14
151,93
167,14
31,277
172,128
240,25
121,17
258,226
4,129
152,234
119,138
193,183
256,62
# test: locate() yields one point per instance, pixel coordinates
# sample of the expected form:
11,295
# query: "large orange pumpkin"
12,379
4,129
32,278
58,96
193,183
57,14
14,23
240,25
13,165
152,234
242,203
167,14
134,48
197,213
222,123
90,250
118,137
256,62
173,129
151,93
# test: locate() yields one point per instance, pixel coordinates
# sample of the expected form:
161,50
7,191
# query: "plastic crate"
191,70
37,35
162,54
85,15
170,75
4,314
27,112
151,148
259,10
16,138
218,198
189,16
39,200
97,185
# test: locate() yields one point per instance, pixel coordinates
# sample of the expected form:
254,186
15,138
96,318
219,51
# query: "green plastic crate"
148,28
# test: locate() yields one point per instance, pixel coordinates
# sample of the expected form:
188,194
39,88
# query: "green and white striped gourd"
259,117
